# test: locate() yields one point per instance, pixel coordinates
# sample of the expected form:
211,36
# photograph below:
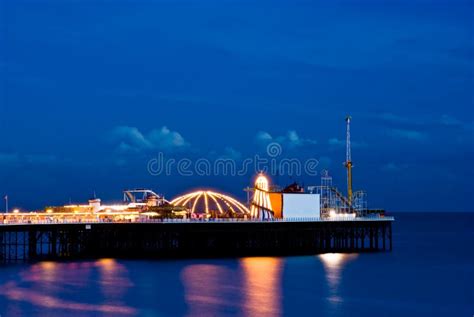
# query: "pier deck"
186,238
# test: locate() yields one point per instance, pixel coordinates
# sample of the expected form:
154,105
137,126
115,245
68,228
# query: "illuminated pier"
203,223
192,238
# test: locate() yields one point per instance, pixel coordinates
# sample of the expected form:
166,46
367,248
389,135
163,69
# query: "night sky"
92,90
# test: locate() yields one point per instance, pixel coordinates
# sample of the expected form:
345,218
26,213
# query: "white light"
262,182
16,211
334,215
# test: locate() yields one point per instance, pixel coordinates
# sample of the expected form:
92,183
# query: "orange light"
262,282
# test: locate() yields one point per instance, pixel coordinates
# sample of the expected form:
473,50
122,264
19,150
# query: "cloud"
40,158
130,139
393,118
9,158
444,120
294,139
449,121
415,128
231,153
290,139
407,134
165,139
338,142
391,167
263,136
15,159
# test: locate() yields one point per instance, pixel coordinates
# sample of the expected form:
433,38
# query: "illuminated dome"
211,203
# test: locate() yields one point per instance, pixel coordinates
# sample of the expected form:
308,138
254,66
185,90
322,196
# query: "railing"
170,221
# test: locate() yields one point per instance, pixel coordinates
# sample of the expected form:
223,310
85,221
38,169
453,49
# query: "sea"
430,272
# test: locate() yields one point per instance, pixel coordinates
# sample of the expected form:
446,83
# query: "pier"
190,238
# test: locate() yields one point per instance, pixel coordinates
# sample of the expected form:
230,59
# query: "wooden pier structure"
188,239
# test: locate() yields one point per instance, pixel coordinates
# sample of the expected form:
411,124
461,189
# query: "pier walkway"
221,220
192,238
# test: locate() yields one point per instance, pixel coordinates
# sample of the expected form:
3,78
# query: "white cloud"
407,134
9,158
165,138
393,118
15,159
231,153
391,167
445,120
130,139
338,142
449,121
290,139
394,167
126,148
263,136
40,158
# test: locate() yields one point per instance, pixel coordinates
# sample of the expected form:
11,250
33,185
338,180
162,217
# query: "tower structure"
261,207
348,162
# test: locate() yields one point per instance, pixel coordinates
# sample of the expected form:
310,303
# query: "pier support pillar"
390,235
32,241
53,240
376,238
2,247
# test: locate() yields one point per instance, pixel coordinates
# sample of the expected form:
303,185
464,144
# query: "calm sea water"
429,273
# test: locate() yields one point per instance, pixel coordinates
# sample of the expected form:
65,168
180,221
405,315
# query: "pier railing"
217,220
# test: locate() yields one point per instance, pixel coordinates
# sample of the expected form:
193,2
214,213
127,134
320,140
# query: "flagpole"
6,203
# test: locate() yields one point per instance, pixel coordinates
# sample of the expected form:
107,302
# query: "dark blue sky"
92,90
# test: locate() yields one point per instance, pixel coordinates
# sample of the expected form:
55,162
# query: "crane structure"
348,162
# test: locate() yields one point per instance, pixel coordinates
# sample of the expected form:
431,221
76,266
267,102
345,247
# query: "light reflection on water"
52,286
253,288
334,264
206,289
262,280
250,286
113,280
322,285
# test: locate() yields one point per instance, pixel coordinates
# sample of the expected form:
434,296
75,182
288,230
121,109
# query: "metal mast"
348,162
